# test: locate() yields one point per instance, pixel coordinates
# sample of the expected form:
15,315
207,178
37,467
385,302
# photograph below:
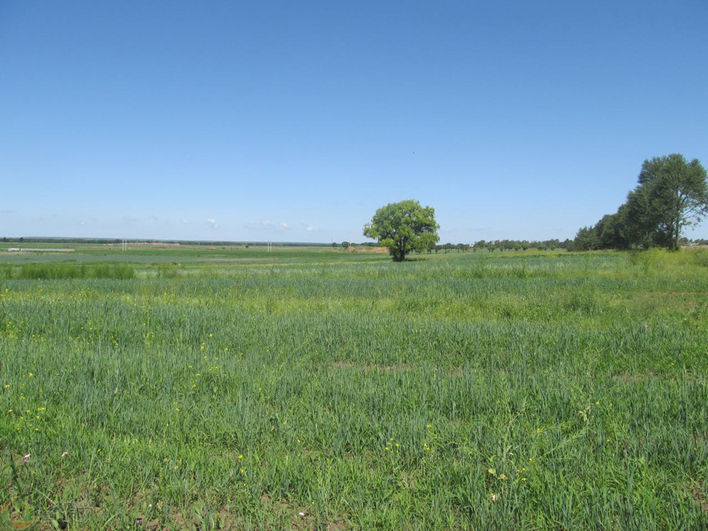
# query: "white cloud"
261,225
266,224
212,223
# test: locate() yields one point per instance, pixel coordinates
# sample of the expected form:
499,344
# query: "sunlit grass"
535,390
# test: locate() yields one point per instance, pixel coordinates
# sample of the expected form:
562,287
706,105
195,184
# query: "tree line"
671,194
506,245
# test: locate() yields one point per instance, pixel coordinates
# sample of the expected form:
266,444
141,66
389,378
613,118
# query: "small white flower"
301,514
25,458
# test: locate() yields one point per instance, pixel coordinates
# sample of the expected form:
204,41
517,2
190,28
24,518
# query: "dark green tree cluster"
671,194
522,245
447,247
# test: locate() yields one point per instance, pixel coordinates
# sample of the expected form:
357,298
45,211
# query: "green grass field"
315,388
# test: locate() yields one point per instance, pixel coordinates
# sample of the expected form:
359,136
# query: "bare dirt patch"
298,515
368,250
700,498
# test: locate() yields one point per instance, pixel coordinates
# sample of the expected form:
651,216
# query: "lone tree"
404,227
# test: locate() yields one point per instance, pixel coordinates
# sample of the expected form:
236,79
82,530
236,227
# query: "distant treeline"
523,245
492,245
483,245
504,245
671,194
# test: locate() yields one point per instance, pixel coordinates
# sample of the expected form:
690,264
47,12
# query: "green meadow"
317,388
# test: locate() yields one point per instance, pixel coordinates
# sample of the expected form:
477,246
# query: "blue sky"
294,121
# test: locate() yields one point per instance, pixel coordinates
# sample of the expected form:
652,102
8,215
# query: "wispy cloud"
6,211
308,227
212,223
260,225
267,224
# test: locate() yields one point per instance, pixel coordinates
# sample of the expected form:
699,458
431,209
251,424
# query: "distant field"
312,387
178,254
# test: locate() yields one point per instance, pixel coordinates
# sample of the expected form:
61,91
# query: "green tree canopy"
404,227
676,195
672,194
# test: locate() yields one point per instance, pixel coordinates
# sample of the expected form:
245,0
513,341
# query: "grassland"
322,389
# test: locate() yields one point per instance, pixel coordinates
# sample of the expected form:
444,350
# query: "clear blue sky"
294,121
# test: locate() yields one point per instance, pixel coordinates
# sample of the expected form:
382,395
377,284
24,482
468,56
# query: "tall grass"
66,271
460,391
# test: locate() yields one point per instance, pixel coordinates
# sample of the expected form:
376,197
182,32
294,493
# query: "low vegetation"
59,270
342,390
